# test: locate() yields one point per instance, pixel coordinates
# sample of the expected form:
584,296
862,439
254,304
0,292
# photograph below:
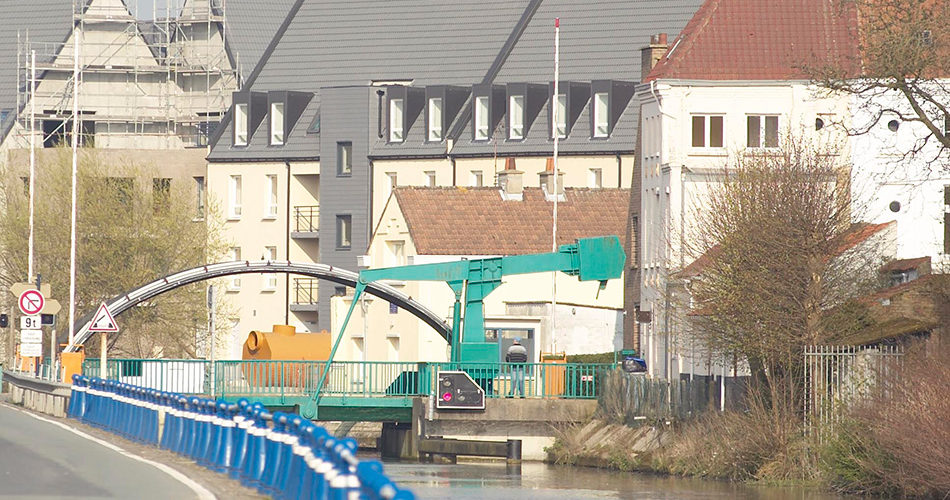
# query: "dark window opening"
344,159
344,231
161,194
60,133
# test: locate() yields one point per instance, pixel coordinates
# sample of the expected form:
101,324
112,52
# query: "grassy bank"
895,443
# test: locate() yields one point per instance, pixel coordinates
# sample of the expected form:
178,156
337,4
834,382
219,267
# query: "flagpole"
554,118
29,275
72,228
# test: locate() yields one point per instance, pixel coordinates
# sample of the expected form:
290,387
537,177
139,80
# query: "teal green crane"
590,259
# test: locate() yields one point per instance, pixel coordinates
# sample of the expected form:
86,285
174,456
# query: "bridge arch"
126,301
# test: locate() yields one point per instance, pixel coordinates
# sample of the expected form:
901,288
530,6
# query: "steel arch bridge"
126,301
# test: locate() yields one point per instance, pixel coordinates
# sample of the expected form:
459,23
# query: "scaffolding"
148,80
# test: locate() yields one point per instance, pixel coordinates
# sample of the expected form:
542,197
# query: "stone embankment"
611,446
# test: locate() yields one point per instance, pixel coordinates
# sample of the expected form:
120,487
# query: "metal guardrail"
306,218
305,290
28,380
363,379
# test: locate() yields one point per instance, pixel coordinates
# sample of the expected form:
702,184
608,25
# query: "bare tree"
780,254
899,68
133,227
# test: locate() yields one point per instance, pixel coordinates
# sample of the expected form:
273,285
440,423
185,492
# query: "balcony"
304,298
306,224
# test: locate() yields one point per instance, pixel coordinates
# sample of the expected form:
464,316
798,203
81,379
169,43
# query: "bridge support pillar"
398,440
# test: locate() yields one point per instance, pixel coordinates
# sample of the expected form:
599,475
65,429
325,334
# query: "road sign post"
104,323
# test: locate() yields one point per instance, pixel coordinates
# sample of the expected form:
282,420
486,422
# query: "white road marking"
202,492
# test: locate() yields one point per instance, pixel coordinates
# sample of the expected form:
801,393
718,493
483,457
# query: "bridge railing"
293,379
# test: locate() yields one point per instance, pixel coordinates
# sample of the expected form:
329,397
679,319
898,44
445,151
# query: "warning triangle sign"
103,321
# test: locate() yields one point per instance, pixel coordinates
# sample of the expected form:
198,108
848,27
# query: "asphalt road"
39,459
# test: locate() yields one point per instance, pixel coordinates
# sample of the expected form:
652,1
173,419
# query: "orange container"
283,346
554,376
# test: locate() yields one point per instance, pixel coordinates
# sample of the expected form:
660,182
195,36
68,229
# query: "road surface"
41,458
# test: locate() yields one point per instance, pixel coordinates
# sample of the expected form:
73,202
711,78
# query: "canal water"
496,481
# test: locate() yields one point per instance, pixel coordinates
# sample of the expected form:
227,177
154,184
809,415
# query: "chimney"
547,181
651,54
511,181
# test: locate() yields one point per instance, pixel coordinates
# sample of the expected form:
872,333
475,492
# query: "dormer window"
560,126
516,117
481,118
435,119
276,123
601,114
396,120
240,124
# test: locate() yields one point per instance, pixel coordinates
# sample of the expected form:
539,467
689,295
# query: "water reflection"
496,481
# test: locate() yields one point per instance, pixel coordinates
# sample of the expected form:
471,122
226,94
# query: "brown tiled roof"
906,264
477,221
761,40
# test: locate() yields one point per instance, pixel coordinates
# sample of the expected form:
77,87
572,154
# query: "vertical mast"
29,276
554,118
77,34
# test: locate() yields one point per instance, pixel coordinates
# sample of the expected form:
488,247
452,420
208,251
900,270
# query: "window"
240,124
396,120
601,124
481,118
595,178
204,132
344,231
276,123
234,197
391,180
395,253
707,131
430,178
477,178
235,283
516,117
946,124
762,131
199,197
270,254
314,127
344,159
560,126
271,200
161,194
435,119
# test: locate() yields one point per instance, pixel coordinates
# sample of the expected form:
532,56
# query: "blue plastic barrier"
281,455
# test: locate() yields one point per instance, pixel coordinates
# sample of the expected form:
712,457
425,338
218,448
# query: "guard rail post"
243,420
274,453
294,459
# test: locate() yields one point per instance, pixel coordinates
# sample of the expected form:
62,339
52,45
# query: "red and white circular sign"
31,302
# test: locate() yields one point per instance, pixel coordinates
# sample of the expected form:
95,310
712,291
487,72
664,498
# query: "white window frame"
270,279
560,127
240,124
595,177
482,118
276,123
199,197
601,113
762,136
516,117
234,284
397,118
707,130
430,178
270,201
434,107
477,178
344,225
234,197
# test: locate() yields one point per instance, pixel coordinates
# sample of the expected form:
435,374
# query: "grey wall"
347,114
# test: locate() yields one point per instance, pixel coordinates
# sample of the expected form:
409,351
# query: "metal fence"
836,377
295,379
186,376
632,398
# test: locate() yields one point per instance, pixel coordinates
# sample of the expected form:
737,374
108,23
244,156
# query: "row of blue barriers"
282,455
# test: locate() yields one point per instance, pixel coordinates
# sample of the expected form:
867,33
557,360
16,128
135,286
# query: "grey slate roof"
340,43
46,20
250,26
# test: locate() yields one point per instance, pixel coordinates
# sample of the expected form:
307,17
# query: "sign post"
104,323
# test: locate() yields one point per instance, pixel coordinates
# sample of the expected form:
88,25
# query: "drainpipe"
620,172
287,253
379,113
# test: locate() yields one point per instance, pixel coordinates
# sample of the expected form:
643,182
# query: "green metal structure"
590,259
